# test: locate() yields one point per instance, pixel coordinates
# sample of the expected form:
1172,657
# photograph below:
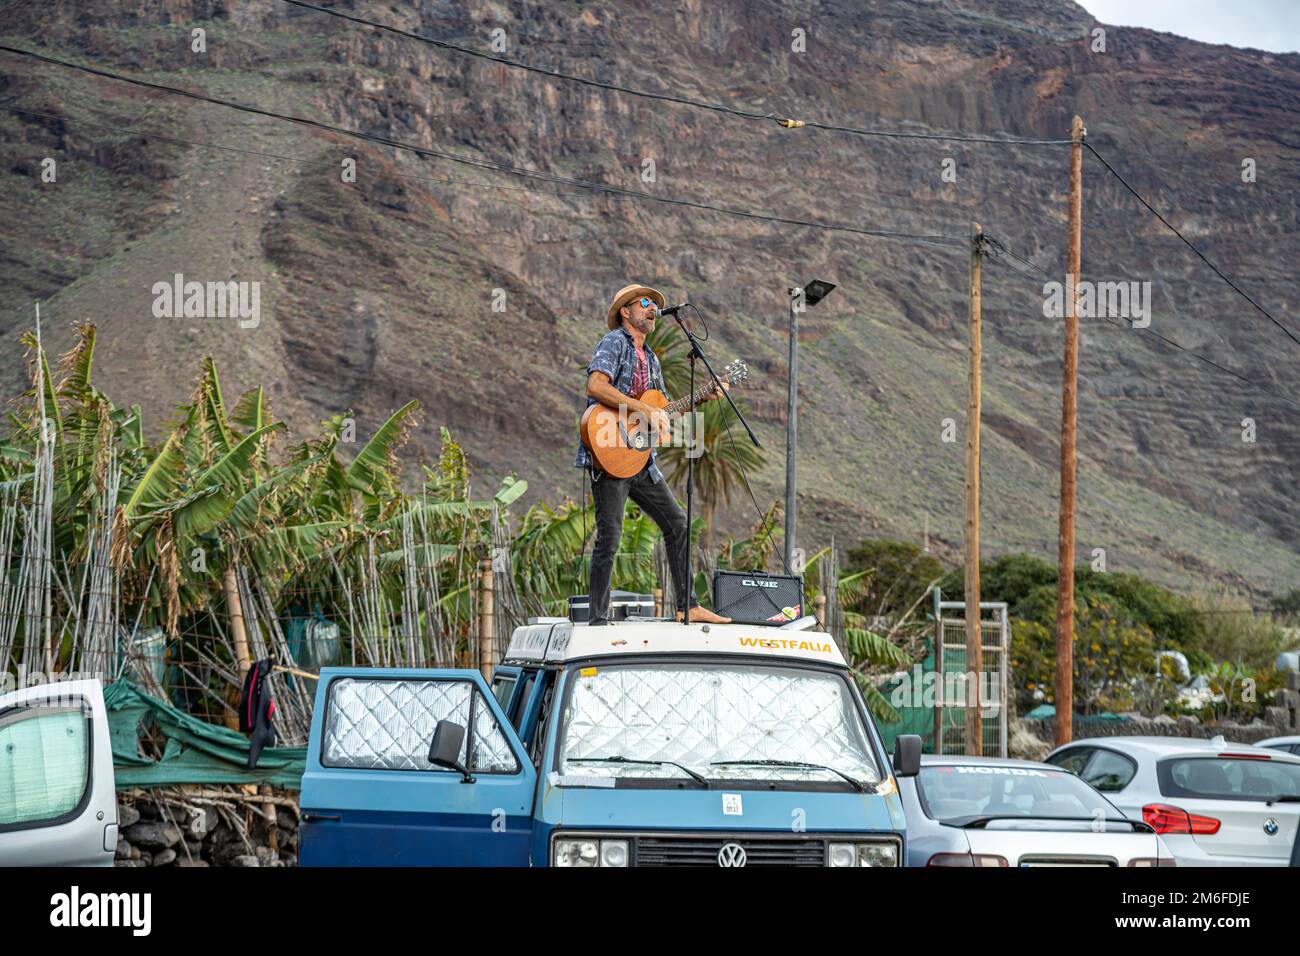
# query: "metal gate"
950,680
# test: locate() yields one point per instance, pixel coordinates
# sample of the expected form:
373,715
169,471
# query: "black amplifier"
754,597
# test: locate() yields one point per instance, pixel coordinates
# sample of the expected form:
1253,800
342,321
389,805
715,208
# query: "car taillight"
966,859
1164,818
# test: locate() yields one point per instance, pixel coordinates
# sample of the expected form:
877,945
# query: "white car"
990,811
1288,745
1213,803
58,803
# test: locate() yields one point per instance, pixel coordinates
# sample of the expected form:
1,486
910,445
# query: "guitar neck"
682,404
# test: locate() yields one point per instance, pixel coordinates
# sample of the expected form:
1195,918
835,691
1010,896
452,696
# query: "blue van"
640,743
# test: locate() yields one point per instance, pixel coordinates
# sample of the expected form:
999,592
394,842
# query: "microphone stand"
698,353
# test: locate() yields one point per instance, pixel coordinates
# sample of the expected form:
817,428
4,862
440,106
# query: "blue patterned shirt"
615,355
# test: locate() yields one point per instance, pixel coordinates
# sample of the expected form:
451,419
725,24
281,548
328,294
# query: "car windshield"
1228,778
959,793
704,722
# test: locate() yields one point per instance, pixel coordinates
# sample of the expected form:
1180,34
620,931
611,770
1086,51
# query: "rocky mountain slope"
377,291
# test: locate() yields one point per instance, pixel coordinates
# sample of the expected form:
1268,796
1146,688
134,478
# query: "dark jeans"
654,498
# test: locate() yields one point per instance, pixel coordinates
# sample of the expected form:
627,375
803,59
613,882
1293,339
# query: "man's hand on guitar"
718,389
659,421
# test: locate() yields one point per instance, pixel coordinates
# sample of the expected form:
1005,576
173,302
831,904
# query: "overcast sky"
1262,24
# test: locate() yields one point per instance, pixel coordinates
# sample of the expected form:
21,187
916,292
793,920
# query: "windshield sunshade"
697,719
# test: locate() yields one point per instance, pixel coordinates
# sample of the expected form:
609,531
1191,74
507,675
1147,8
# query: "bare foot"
704,616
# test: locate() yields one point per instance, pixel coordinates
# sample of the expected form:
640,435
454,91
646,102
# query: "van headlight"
589,852
862,854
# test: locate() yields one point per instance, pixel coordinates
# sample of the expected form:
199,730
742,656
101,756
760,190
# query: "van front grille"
705,850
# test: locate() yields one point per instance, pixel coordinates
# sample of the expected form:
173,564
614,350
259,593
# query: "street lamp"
800,299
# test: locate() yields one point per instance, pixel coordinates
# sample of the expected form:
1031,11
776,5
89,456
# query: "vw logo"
731,854
1270,826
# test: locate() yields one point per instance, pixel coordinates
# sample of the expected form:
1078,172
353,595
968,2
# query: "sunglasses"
645,303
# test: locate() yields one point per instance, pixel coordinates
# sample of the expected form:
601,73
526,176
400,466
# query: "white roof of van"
557,641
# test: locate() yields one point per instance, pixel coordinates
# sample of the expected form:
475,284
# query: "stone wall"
207,826
1034,739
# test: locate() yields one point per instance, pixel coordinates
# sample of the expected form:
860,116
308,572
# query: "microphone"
671,310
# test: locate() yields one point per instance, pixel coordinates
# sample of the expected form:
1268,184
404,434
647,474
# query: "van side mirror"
907,755
448,738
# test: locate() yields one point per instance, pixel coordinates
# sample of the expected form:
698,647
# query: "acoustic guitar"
621,441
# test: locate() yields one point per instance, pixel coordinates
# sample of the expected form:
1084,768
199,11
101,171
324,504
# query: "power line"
600,187
1002,248
492,165
1170,226
789,123
667,97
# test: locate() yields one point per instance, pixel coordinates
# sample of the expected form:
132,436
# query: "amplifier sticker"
786,614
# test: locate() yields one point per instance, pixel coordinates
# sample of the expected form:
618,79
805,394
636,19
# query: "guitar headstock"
736,372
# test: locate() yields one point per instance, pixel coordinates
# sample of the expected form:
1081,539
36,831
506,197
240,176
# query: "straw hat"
626,295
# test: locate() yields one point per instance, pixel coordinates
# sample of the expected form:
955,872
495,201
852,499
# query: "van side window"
378,724
539,734
44,763
521,703
501,688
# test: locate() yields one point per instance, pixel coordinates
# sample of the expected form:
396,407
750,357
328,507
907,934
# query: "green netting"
195,750
911,720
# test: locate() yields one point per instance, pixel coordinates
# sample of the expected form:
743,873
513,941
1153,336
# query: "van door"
58,802
370,797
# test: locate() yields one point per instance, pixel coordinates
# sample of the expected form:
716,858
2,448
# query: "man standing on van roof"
621,370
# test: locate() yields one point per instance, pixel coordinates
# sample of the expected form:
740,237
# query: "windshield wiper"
857,784
1284,798
975,823
619,758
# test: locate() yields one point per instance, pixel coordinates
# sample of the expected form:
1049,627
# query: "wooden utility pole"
1065,552
485,622
974,639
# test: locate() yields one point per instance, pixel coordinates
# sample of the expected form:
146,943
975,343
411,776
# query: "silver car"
987,811
1288,745
1214,803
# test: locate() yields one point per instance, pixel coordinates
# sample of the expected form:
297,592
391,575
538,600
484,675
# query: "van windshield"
685,721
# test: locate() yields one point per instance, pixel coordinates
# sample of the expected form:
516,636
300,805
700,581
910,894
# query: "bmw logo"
1270,826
